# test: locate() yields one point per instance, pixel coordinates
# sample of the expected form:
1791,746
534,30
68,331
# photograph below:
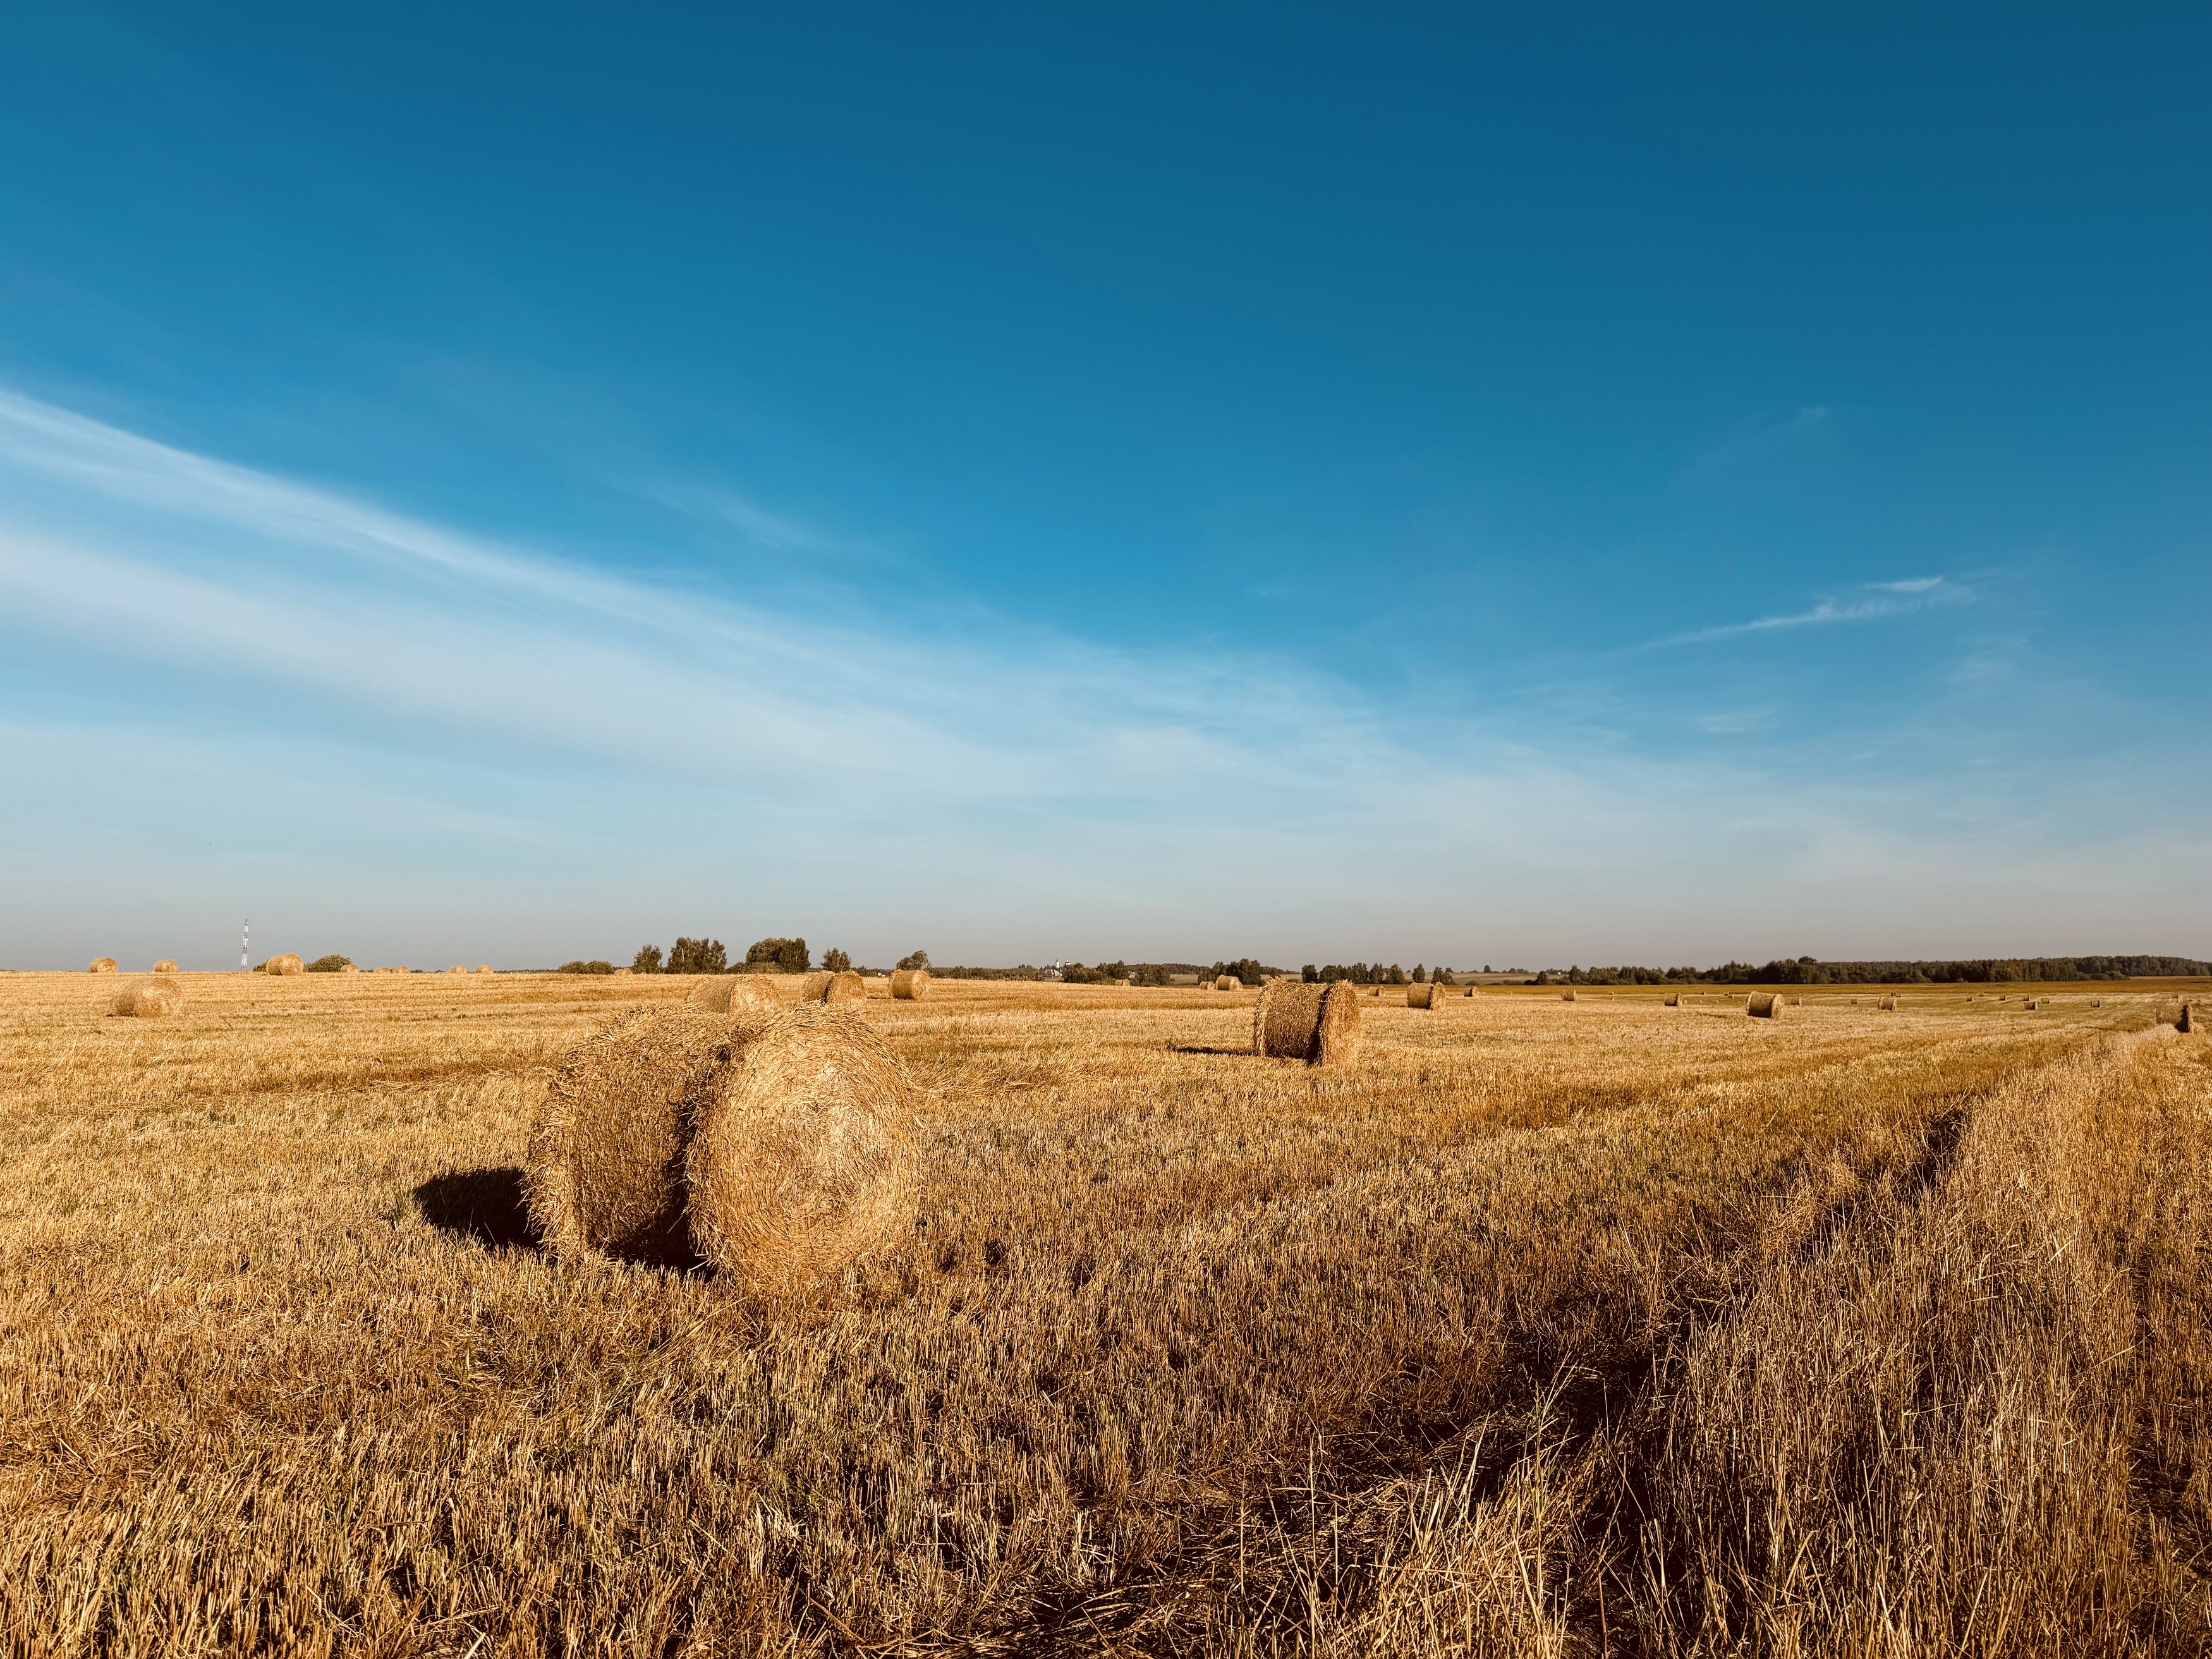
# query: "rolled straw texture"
909,984
806,1154
1317,1023
150,999
1765,1005
843,988
604,1169
734,994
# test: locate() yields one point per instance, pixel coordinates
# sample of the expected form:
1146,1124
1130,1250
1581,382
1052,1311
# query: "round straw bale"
1317,1023
165,966
1566,996
1424,996
1228,982
1889,1005
483,966
149,998
605,1170
284,966
846,987
912,984
457,968
805,1152
100,965
1764,1005
620,972
348,968
734,994
1674,1000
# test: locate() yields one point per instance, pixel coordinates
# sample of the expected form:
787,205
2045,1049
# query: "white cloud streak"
1897,599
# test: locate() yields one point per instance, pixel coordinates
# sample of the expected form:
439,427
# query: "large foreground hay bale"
165,966
804,1154
912,984
605,1170
100,965
285,966
734,994
1424,996
1765,1005
1317,1023
150,998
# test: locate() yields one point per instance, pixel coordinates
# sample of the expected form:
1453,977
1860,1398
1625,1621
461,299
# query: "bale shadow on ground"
484,1205
1244,1052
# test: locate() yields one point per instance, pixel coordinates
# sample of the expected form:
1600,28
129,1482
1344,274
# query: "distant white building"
1051,969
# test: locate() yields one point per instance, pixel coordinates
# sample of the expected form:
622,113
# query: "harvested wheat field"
1608,1328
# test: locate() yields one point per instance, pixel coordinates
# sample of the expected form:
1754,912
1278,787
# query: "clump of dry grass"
805,1154
165,966
734,993
100,965
1764,1005
1317,1023
912,984
605,1170
150,998
285,966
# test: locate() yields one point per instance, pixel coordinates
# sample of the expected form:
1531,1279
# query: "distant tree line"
1374,973
708,956
1809,970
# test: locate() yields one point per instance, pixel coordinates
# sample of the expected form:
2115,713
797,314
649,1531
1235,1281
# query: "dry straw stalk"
605,1170
806,1154
150,998
1317,1023
910,984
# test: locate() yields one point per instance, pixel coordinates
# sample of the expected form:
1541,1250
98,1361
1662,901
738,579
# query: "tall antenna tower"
245,932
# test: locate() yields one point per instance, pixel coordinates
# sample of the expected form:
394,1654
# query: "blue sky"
503,484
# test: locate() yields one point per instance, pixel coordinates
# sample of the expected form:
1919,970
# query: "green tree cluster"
333,964
778,956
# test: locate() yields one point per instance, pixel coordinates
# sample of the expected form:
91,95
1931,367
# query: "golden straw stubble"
805,1152
1317,1023
604,1172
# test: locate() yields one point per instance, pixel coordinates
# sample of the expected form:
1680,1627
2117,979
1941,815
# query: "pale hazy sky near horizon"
1464,485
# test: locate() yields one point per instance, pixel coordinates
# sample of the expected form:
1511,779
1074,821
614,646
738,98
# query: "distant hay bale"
485,967
1317,1023
165,966
1566,996
1889,1005
1424,996
285,966
832,990
734,994
604,1169
912,984
457,968
1765,1005
620,972
1470,992
100,965
149,998
348,968
1228,982
1674,1000
805,1149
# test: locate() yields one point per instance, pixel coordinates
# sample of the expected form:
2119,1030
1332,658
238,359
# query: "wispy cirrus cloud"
1880,600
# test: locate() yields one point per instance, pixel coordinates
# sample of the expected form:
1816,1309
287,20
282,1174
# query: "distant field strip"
1554,1327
